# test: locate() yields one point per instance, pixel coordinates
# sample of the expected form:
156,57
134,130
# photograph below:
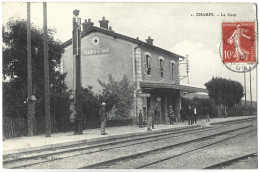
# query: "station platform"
40,142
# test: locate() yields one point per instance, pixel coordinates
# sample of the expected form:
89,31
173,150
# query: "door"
158,104
163,111
148,103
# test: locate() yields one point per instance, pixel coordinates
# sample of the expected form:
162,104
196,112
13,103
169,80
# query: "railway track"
54,155
188,151
138,157
94,144
231,161
234,121
43,157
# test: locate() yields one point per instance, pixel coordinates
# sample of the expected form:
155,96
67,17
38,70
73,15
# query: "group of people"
153,117
192,115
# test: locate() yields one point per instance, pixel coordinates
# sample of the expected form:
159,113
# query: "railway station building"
154,71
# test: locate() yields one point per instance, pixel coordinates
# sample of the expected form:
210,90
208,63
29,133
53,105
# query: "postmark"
238,49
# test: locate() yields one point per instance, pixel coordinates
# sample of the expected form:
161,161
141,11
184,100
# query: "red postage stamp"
239,44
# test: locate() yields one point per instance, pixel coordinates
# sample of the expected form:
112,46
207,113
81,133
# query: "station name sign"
96,51
144,95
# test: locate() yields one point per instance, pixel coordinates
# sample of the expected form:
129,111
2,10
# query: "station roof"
172,86
117,35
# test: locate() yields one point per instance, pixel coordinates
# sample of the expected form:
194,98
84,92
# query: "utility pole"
220,93
187,68
46,73
245,88
30,97
251,91
76,41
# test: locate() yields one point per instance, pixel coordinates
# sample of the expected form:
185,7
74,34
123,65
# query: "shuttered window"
161,67
148,64
172,70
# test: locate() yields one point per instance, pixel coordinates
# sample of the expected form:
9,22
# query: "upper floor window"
161,63
172,68
148,65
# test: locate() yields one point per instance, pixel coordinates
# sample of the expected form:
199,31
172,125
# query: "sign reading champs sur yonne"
96,51
144,95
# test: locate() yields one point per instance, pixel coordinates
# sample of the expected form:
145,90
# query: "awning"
172,86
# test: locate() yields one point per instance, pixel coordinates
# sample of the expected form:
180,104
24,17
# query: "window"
148,64
161,67
172,67
95,41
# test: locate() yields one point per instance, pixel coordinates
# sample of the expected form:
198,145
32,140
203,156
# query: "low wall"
17,127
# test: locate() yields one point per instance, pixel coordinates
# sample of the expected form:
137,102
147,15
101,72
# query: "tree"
90,105
125,98
118,95
15,69
200,104
109,92
224,91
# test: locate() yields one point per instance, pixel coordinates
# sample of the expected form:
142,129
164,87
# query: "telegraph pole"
46,73
76,37
220,93
30,97
245,88
187,68
250,91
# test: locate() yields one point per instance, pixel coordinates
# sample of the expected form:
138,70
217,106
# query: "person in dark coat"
153,117
195,115
102,113
171,115
182,112
140,119
149,120
157,115
189,115
207,114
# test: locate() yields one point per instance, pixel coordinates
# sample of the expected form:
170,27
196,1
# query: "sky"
170,25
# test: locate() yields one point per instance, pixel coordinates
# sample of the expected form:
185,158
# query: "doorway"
158,104
148,103
163,111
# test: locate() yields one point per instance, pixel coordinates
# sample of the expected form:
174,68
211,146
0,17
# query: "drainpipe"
136,110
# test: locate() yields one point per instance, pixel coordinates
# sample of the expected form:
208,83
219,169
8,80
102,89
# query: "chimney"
110,29
149,40
137,38
104,23
87,24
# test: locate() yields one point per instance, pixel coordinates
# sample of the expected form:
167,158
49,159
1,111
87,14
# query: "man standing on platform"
140,119
183,114
195,115
153,117
190,116
171,115
102,113
157,115
149,120
207,114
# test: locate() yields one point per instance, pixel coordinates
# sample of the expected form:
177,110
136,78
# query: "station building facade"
154,71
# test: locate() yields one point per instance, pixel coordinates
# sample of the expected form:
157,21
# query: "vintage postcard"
102,85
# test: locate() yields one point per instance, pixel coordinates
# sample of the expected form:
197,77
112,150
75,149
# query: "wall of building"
161,98
101,55
155,65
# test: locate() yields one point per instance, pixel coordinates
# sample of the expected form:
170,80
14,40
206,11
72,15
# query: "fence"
17,127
